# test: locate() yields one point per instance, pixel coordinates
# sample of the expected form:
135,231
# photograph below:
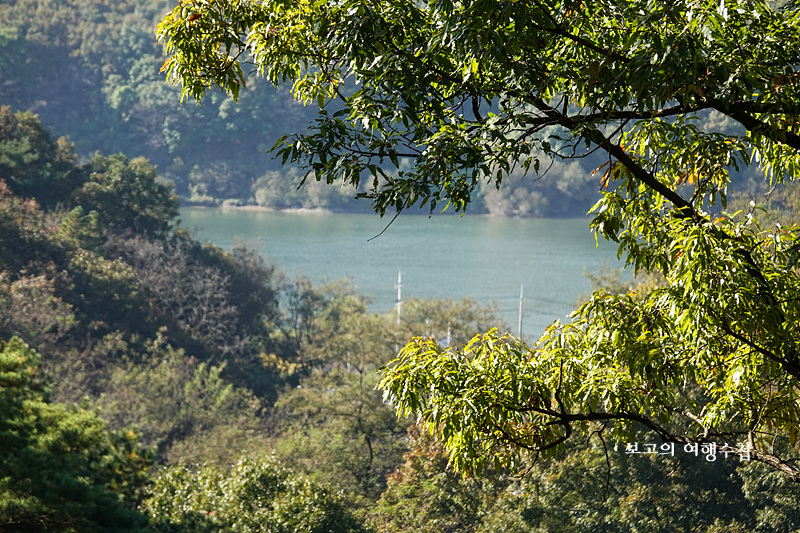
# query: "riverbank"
232,206
229,206
290,210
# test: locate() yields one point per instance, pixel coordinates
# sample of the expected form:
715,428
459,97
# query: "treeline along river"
484,258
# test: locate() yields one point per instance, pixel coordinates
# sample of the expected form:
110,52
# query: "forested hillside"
90,70
130,355
189,354
151,382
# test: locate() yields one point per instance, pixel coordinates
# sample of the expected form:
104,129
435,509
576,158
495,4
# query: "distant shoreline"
324,211
292,210
316,210
251,207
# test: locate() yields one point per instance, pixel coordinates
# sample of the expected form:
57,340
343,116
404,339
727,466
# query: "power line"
399,302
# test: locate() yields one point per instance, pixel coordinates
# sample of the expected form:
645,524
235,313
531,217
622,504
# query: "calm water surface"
440,257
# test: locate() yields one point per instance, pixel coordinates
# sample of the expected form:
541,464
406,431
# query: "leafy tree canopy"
253,496
33,163
435,97
61,470
127,195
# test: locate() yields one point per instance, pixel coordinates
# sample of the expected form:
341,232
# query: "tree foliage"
127,195
255,495
32,163
61,470
334,410
333,424
434,98
183,407
89,69
590,487
130,316
424,495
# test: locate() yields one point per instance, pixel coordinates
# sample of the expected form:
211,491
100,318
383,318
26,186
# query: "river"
483,258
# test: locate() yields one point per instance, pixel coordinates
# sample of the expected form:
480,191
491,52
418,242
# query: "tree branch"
685,209
567,419
739,113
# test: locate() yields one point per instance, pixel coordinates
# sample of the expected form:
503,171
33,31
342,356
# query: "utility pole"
521,298
399,302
